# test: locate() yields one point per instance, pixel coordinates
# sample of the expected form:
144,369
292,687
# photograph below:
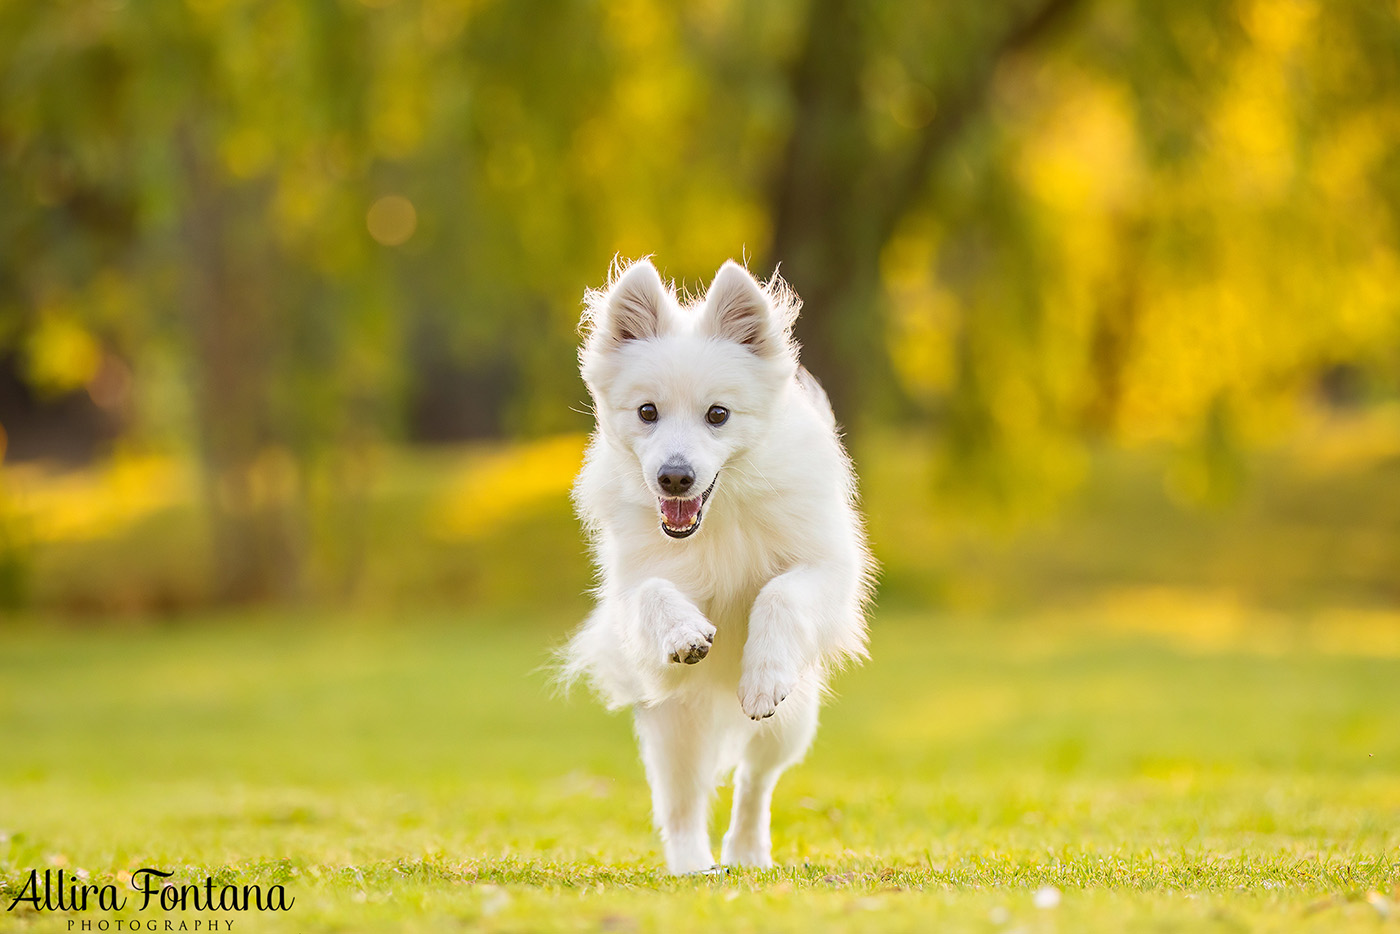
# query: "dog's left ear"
737,309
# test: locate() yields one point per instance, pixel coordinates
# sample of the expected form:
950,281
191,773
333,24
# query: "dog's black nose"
676,479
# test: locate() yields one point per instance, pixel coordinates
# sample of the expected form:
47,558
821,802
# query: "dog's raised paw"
691,653
690,642
762,690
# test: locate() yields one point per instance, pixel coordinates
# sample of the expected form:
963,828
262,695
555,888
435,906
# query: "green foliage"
1061,160
277,233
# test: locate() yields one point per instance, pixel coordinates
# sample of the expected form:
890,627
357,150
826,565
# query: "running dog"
732,561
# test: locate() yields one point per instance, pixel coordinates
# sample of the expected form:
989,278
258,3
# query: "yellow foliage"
1278,26
1333,444
397,127
98,502
923,314
505,484
1201,619
1081,158
62,354
1348,154
247,151
1218,620
1255,128
920,341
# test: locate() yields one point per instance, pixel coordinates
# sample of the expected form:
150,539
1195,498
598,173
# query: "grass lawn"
418,774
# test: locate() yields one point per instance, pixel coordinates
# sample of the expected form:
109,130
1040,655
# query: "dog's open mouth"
681,517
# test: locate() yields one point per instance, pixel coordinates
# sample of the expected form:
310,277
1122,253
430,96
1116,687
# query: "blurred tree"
275,233
1167,224
842,187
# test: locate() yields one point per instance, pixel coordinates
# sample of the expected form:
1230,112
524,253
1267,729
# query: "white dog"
733,566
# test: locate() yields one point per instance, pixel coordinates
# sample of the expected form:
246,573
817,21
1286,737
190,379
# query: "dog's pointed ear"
632,309
738,309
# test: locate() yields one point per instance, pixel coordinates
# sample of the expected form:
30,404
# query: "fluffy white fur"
721,641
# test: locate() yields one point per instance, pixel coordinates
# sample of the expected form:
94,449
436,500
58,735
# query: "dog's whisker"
754,472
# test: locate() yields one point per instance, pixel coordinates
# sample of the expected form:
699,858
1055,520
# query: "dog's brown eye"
647,413
717,415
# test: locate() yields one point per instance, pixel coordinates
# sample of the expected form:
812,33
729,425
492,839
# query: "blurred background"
1107,295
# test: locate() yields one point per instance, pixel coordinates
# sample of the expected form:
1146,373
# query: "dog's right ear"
632,307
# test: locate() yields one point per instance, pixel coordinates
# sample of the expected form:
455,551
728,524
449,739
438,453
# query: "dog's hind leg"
776,744
680,750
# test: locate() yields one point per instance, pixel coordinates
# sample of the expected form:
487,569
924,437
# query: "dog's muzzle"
680,518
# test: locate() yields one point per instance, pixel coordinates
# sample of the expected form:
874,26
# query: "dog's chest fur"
723,568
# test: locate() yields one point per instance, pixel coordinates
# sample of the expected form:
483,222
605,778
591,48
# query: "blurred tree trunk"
1115,334
837,201
247,485
824,236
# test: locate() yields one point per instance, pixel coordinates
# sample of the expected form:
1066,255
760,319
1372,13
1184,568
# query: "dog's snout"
676,479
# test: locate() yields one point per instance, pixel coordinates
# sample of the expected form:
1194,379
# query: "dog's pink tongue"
679,513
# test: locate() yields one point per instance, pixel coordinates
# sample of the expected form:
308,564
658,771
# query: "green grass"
418,773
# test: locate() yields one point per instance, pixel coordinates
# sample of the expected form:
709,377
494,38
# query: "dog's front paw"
689,640
753,849
762,689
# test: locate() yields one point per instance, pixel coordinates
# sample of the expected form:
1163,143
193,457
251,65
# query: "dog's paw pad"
691,654
689,643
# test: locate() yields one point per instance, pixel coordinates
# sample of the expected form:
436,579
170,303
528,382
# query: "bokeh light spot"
392,220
